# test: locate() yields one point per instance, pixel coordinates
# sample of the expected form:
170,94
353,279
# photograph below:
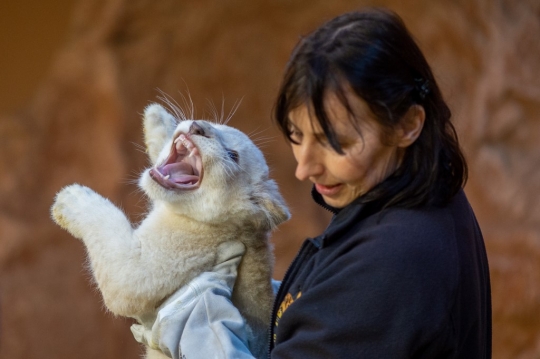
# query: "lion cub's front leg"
107,235
89,216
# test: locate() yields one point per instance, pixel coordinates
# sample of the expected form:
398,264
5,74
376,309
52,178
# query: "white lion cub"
208,184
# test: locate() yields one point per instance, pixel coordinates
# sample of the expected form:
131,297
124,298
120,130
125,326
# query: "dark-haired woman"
401,271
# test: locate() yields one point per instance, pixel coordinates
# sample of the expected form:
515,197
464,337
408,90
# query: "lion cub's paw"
72,205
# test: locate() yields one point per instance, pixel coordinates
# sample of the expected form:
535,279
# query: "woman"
401,271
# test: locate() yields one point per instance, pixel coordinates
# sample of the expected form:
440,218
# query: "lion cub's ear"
158,126
269,199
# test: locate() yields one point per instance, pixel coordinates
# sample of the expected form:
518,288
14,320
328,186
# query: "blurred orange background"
75,77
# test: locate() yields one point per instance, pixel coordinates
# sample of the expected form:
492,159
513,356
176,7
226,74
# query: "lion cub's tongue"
180,172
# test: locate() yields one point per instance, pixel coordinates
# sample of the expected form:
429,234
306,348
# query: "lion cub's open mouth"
182,169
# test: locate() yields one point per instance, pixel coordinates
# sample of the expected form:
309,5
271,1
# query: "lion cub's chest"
170,239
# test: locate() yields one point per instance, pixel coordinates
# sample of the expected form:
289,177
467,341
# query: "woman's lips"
328,190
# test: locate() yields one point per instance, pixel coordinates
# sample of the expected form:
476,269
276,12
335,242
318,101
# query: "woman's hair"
372,54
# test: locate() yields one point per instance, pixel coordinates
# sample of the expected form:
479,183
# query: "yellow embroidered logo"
286,303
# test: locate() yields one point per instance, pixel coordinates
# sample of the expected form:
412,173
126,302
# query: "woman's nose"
308,163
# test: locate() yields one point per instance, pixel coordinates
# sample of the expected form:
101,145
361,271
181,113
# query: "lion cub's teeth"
181,139
167,177
188,145
180,142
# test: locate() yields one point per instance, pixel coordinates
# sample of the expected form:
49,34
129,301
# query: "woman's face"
366,161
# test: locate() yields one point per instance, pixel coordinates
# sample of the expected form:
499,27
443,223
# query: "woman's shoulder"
423,223
417,238
420,239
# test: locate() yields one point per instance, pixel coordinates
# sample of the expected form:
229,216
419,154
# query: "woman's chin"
338,196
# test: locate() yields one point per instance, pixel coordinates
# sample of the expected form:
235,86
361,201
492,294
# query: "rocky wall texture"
83,125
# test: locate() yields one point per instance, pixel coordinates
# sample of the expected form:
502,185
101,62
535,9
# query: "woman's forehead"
342,113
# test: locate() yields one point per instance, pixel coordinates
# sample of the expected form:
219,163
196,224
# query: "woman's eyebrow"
292,124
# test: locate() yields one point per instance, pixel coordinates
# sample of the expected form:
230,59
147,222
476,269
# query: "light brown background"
75,77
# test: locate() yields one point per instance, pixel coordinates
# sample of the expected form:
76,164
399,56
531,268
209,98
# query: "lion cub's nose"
196,129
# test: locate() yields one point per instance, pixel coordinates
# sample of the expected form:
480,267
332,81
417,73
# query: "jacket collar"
317,197
346,217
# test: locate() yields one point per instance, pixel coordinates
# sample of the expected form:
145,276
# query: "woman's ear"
410,126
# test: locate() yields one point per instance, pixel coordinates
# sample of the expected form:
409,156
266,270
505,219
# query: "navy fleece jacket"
397,283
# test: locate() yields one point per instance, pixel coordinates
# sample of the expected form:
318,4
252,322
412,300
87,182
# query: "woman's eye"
295,135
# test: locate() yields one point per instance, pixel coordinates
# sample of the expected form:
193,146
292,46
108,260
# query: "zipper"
316,196
279,295
298,260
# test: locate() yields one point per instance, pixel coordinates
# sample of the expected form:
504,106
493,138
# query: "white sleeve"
215,329
275,286
199,321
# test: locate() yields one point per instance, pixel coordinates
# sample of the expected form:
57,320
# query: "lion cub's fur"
136,269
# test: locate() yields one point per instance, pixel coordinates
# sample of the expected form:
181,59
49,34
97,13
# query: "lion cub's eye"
233,155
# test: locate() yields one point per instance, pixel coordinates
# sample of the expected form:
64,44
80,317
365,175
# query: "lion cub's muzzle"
183,167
